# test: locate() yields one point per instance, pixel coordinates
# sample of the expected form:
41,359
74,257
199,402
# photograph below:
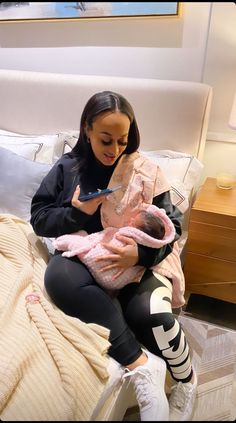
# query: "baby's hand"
68,254
60,243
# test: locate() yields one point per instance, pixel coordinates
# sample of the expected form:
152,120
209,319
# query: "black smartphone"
96,194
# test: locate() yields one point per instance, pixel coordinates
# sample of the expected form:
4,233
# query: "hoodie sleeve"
148,256
50,215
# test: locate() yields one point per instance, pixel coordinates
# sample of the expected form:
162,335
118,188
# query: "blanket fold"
53,366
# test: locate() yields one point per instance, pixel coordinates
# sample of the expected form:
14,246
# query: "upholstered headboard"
171,114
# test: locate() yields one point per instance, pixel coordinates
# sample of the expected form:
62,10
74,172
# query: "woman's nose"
114,148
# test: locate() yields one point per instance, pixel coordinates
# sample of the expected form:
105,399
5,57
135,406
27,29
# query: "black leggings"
142,316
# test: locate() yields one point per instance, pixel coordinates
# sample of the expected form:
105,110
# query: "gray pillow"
19,180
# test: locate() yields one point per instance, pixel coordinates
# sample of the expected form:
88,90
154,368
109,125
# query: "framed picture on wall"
31,11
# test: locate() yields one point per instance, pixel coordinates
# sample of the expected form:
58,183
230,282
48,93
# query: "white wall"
220,72
167,48
198,46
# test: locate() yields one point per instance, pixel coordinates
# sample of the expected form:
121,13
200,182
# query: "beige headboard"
171,114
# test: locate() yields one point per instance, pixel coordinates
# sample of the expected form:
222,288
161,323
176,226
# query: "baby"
150,226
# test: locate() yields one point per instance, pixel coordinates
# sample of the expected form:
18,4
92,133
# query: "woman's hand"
121,257
89,206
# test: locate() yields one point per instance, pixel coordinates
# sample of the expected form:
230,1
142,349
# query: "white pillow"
28,151
20,179
183,171
49,147
69,139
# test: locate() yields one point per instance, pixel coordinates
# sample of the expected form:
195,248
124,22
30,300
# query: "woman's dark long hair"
105,101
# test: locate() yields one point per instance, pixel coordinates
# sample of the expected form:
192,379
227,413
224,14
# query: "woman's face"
109,136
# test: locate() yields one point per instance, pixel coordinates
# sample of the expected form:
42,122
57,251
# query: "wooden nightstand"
210,264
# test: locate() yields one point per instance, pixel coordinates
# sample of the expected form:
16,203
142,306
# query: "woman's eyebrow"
110,135
105,133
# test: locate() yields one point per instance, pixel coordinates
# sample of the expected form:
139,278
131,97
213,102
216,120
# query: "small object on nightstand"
225,180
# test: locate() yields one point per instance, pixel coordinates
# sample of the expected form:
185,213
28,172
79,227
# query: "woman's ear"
86,131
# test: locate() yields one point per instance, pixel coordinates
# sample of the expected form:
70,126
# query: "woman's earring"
88,140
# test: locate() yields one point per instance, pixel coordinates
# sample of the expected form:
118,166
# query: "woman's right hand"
89,206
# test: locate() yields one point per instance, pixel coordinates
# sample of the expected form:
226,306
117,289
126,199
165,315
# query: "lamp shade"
232,119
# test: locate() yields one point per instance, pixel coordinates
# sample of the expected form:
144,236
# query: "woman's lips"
109,158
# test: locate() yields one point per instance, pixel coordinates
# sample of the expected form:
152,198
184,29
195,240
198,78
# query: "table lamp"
232,119
226,180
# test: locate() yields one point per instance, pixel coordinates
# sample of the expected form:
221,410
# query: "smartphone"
96,194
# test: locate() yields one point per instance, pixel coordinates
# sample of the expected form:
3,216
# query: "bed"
54,367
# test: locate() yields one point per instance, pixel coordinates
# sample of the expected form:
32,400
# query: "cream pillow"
69,139
49,148
41,148
28,151
183,171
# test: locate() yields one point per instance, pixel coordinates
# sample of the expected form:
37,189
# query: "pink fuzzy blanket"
89,247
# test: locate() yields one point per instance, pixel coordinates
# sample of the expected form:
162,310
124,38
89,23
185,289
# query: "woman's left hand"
121,257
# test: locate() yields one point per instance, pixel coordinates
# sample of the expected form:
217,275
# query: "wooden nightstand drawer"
210,262
209,269
213,218
211,276
210,240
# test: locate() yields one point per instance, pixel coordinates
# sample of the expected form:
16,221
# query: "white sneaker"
182,399
114,383
149,386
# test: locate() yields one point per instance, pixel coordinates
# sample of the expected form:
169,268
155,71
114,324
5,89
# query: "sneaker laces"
143,386
181,395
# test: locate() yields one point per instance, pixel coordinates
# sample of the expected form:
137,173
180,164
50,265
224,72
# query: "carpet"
210,328
213,350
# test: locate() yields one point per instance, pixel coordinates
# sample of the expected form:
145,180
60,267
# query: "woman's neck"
100,173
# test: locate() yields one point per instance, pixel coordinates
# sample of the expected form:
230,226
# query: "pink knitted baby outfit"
89,247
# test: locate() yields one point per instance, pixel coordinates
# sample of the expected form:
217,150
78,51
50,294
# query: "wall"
198,46
152,48
220,72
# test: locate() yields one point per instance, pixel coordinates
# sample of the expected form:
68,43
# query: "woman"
145,337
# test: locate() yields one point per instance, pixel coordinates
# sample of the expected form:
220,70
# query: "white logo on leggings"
158,304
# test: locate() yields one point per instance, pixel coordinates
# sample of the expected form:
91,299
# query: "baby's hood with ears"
142,238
